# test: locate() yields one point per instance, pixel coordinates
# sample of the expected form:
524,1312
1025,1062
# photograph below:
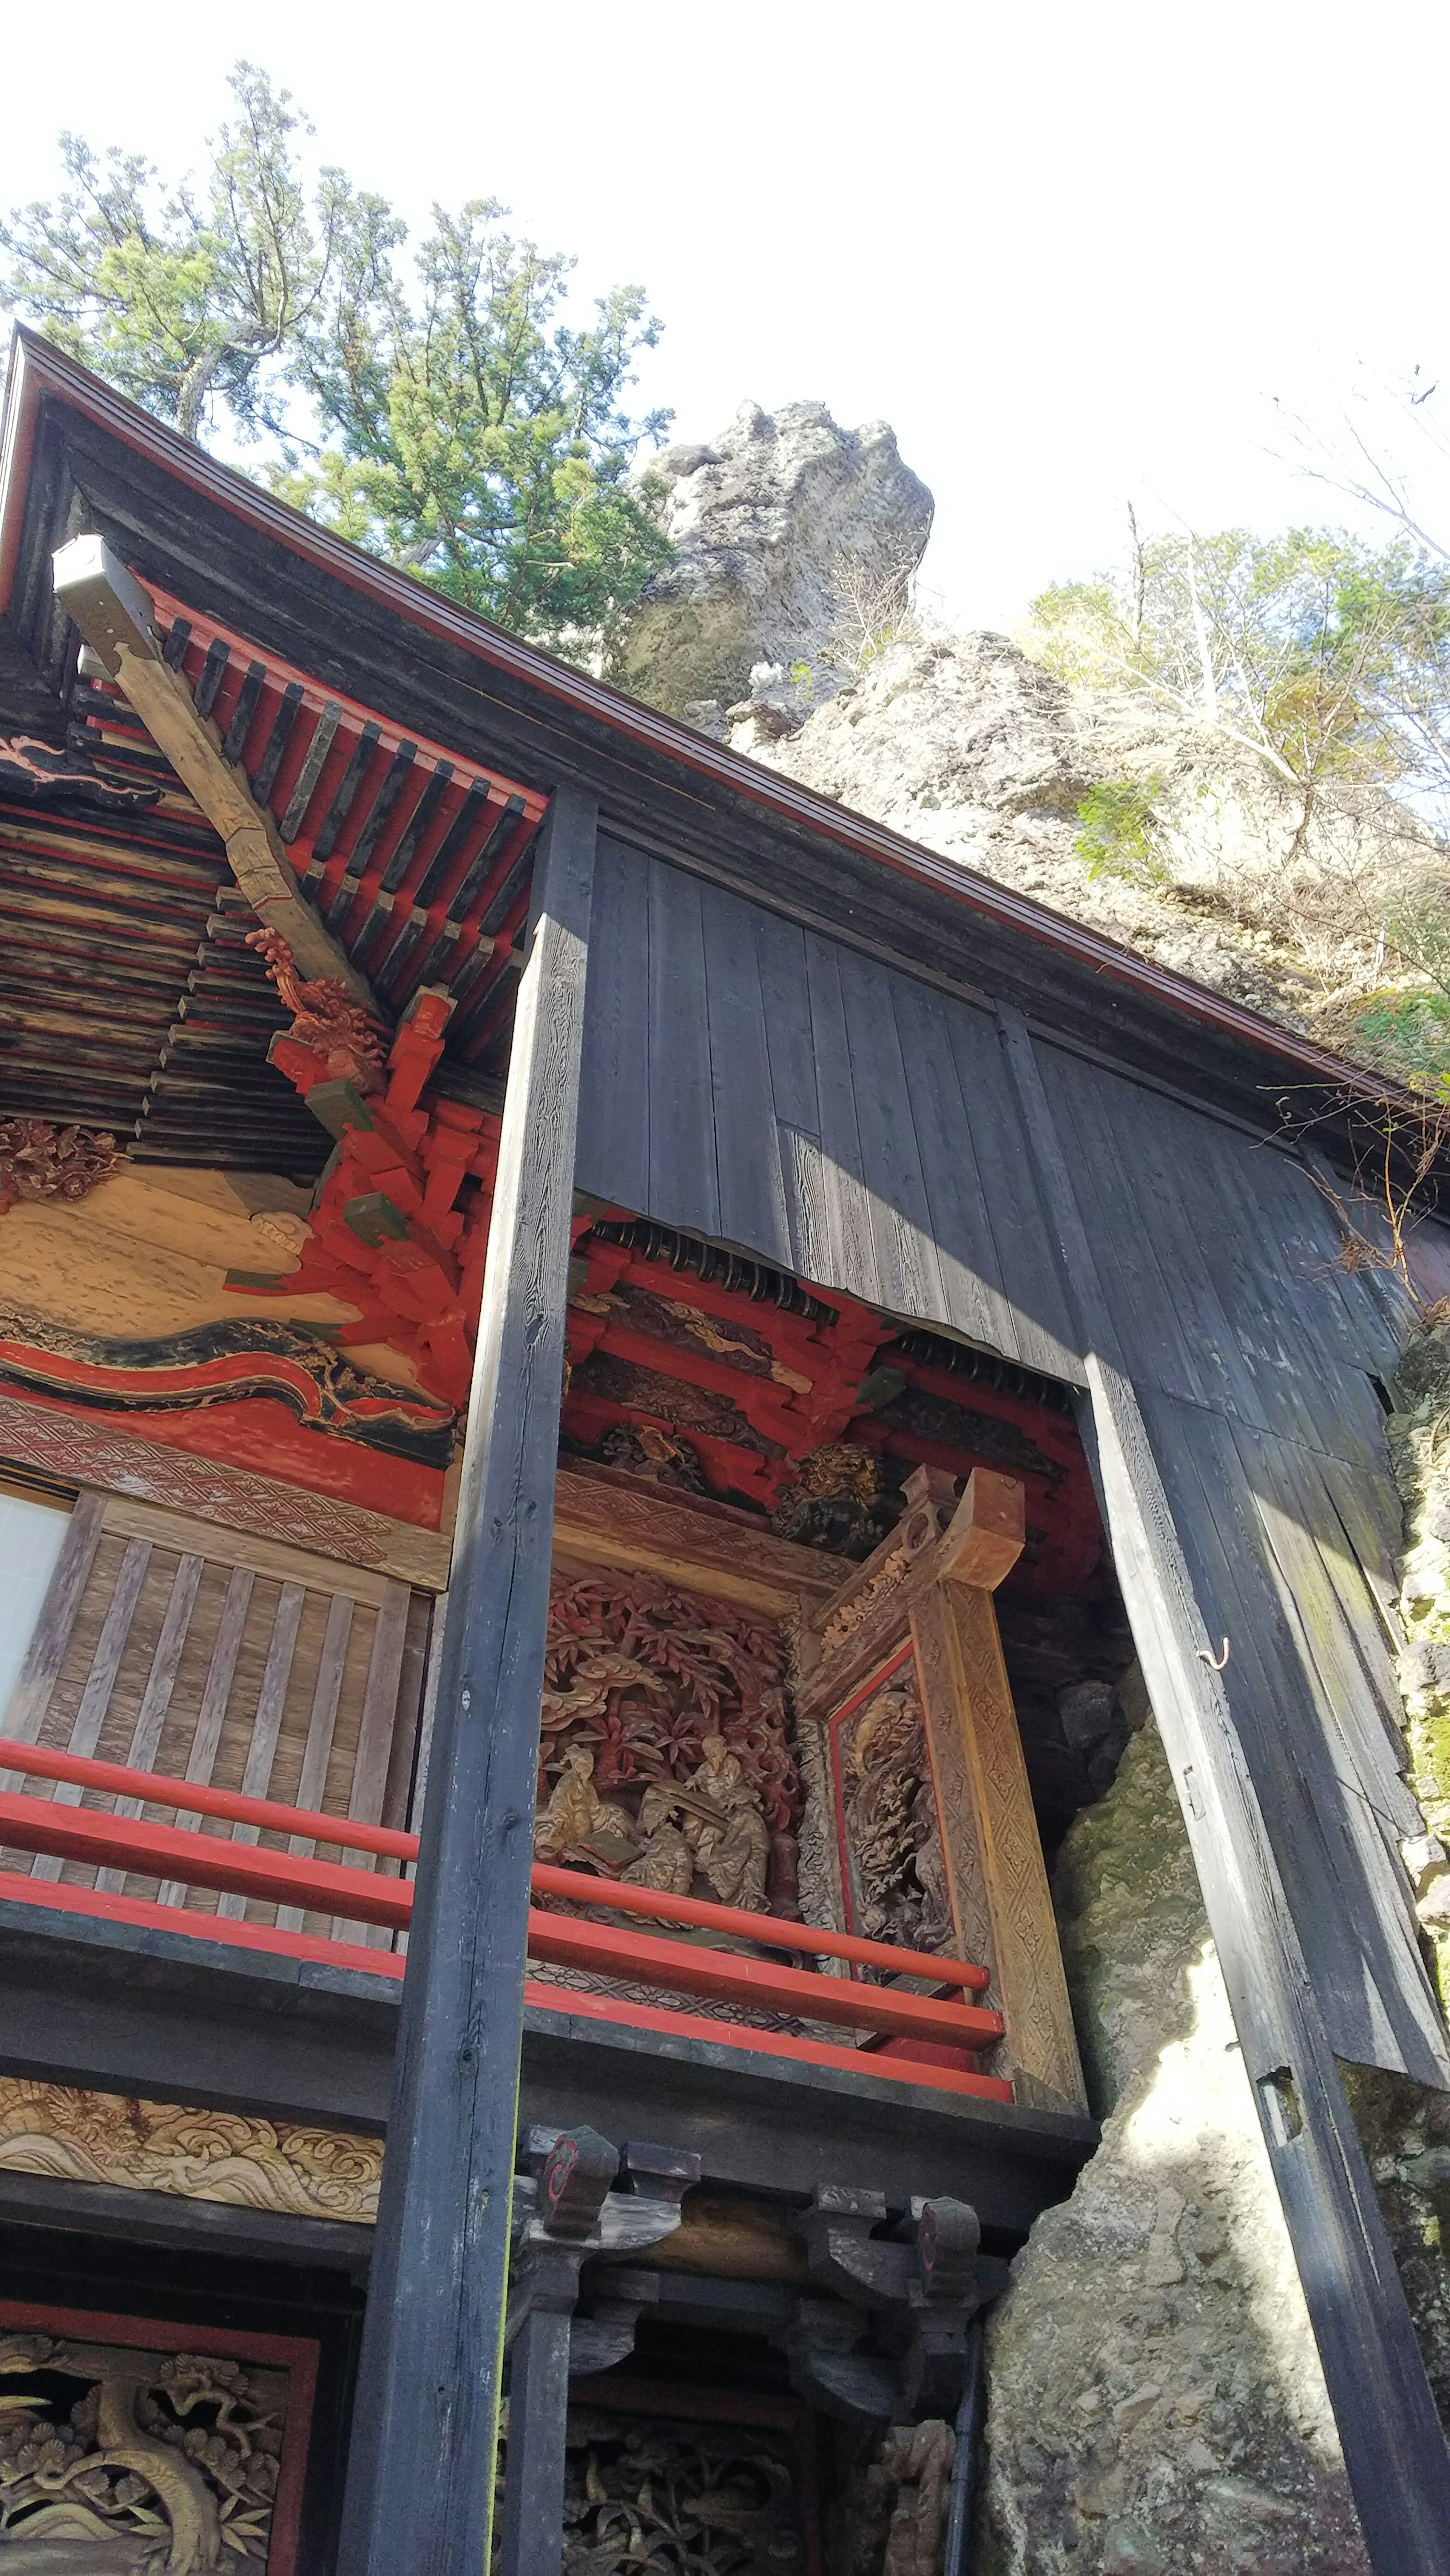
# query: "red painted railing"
935,2033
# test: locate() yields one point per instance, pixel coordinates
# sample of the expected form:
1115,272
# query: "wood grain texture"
419,2498
267,1721
614,1521
156,1698
373,1753
46,1651
976,1752
322,1721
245,1547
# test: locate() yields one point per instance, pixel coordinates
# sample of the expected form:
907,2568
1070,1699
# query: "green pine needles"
439,412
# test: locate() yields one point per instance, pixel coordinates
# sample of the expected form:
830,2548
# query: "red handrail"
99,1839
154,1789
769,1931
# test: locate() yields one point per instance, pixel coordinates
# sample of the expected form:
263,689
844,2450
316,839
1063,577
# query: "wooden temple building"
603,1369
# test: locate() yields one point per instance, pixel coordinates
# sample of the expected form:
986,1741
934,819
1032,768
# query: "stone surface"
1155,2399
785,627
784,528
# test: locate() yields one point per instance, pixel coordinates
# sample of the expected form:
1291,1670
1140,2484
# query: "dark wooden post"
419,2498
1394,2449
533,2500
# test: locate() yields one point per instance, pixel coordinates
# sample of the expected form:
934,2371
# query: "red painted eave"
37,370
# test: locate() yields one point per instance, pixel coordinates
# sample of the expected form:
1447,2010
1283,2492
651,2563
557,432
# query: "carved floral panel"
131,2448
680,2499
893,1867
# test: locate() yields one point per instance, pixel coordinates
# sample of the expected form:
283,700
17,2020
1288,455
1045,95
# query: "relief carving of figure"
667,1863
733,1854
575,1810
665,1757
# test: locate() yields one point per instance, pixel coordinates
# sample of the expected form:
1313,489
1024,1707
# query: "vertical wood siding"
763,1085
204,1654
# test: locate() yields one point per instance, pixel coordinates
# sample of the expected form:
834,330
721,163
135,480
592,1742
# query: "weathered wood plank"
375,1742
851,1249
907,1265
265,1556
95,1698
419,2496
684,1185
752,1191
976,1748
156,1698
216,1692
321,1725
971,1271
267,1724
614,1097
45,1653
1043,1332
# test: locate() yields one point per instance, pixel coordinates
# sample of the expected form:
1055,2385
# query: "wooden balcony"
140,1835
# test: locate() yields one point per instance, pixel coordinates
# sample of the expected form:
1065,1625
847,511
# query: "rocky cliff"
785,628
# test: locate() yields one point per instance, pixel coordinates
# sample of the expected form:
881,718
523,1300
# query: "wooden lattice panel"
216,1655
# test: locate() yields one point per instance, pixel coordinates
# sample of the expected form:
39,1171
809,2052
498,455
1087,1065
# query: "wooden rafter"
114,616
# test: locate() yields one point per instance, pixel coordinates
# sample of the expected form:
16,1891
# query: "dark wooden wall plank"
1042,1326
1342,1644
1347,1892
683,1176
848,1215
898,1211
751,1182
614,1097
974,1299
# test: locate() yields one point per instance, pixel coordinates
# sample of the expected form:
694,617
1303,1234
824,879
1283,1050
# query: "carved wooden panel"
128,2444
218,1655
661,2481
72,2135
666,1755
893,1866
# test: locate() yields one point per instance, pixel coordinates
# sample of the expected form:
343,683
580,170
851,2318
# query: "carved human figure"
575,1809
735,1853
667,1863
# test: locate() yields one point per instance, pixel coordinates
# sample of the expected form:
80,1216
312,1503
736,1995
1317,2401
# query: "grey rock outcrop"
777,527
785,627
1156,2402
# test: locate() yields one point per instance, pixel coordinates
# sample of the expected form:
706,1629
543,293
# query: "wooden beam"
114,615
1394,2448
419,2498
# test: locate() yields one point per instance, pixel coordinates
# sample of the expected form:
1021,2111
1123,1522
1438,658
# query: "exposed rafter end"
114,616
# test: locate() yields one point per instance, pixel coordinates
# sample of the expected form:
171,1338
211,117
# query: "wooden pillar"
419,2498
532,2534
1394,2449
993,1850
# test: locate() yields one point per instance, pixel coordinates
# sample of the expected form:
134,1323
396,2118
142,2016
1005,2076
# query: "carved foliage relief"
123,2454
666,1757
891,1836
678,2499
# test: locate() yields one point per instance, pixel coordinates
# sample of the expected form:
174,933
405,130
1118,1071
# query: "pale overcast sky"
1070,253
